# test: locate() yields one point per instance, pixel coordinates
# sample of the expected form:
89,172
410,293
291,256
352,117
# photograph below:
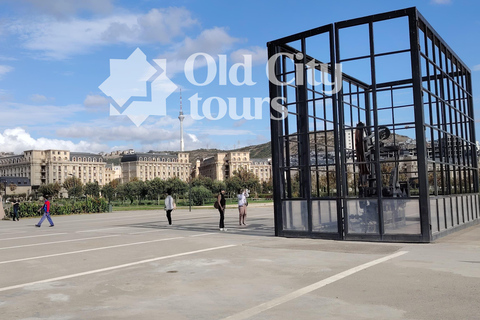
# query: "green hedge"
30,209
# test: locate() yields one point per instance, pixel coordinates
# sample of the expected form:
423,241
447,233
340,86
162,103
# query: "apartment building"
50,166
224,165
147,166
262,168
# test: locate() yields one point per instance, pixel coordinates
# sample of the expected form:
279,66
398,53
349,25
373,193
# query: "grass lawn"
135,207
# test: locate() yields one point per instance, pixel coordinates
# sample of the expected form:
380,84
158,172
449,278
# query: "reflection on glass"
434,215
448,212
295,215
362,216
401,216
441,213
324,216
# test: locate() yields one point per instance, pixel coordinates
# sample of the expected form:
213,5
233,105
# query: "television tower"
181,117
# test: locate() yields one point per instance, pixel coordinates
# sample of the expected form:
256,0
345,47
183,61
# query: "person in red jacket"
46,214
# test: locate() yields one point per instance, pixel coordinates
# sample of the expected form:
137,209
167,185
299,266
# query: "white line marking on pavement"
202,234
53,242
114,267
93,230
147,231
88,250
280,300
14,232
41,235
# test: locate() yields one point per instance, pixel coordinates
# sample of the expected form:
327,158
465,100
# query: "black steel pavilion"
373,133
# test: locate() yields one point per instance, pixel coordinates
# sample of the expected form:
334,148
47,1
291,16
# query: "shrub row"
30,209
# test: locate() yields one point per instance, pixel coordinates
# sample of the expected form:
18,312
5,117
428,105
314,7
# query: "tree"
267,186
217,186
129,191
74,186
108,191
207,182
244,175
92,189
248,178
50,190
176,185
115,183
155,188
142,190
199,194
12,187
233,184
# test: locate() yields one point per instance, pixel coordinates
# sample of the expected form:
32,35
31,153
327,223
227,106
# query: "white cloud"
96,101
4,70
18,114
211,41
476,68
62,8
239,123
258,54
441,1
145,138
18,140
61,39
226,132
40,98
7,58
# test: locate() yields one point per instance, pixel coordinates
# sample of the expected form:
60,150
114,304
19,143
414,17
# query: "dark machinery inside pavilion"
373,132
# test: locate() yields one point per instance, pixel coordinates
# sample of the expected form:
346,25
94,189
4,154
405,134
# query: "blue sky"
55,54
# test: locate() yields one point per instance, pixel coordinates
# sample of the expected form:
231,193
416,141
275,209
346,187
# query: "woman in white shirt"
242,201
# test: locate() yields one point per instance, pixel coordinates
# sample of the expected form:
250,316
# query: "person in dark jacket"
16,206
221,209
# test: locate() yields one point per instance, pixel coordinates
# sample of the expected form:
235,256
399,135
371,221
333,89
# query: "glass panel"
456,209
362,216
324,216
448,212
401,216
295,215
466,211
477,208
473,207
441,213
433,215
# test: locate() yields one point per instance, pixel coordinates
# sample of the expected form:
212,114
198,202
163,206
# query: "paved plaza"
133,265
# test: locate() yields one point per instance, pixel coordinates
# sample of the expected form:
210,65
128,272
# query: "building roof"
137,156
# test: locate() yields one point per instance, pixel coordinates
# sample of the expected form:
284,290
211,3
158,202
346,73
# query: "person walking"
221,209
241,207
169,206
46,213
16,206
246,192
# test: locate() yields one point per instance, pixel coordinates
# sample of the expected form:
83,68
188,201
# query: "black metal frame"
420,171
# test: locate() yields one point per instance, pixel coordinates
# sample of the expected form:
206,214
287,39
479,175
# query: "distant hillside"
256,151
264,150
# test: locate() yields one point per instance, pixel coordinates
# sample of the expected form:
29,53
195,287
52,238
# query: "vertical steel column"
419,126
277,145
378,171
304,135
337,101
468,77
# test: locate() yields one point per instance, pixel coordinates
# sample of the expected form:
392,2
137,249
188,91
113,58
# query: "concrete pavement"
126,265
